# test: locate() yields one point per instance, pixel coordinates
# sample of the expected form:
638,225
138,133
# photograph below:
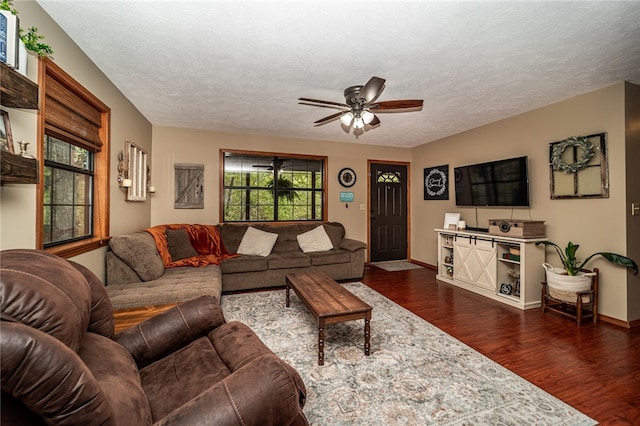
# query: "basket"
564,287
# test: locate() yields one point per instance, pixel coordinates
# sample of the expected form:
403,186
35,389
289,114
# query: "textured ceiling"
240,66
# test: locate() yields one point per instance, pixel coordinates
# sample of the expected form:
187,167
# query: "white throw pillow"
257,243
315,240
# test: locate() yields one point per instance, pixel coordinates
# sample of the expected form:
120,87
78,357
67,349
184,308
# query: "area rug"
416,374
401,265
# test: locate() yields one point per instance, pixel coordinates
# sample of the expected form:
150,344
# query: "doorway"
388,205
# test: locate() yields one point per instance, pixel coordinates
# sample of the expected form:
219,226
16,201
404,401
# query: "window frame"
325,189
47,69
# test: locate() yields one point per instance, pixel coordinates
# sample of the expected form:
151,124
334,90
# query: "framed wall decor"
6,139
578,167
436,183
189,186
137,171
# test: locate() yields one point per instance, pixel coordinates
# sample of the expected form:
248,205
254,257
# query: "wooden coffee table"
329,302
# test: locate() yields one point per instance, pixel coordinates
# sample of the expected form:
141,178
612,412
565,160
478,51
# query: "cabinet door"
475,262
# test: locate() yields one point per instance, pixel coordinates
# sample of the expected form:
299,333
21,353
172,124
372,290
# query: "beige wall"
596,224
18,206
174,145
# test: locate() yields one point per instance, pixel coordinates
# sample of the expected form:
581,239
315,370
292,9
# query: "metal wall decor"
347,177
436,183
578,167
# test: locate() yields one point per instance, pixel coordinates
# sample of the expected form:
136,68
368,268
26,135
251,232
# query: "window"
68,192
260,187
73,204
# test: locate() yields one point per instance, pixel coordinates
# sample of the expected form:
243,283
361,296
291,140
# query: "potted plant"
31,38
573,276
573,266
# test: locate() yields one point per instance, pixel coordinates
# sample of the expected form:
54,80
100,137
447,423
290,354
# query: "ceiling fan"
360,105
276,163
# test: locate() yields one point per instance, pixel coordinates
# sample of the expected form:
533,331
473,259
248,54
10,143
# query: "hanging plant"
285,190
584,146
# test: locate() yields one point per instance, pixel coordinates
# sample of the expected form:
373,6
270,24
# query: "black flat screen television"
502,183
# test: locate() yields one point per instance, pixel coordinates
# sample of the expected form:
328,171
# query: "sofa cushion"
178,378
257,243
179,244
139,251
176,285
286,237
315,240
244,263
292,259
231,235
335,232
330,257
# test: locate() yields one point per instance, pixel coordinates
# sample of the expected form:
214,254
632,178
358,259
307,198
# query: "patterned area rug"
402,265
416,374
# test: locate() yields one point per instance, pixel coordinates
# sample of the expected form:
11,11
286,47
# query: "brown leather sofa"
62,363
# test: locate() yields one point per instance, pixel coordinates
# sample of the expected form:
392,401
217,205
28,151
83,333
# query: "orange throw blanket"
205,239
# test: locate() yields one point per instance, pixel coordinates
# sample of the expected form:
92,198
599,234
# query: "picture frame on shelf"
6,138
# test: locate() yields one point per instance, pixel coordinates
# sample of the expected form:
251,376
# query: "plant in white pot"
573,276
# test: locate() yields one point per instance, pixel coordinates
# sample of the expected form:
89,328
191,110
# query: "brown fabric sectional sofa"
136,275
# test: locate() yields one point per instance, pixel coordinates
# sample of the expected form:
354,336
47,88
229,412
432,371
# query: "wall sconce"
150,189
123,171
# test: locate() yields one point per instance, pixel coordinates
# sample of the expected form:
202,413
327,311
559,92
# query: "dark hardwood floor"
594,367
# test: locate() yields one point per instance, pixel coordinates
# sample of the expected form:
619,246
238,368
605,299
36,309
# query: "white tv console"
505,269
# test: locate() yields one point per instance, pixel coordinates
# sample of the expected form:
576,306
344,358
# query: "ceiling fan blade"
372,89
375,121
328,118
401,104
324,106
316,101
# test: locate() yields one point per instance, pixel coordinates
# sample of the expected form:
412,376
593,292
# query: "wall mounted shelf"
17,91
18,169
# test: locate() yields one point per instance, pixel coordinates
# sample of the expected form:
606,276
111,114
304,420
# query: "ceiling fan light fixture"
358,123
367,117
347,118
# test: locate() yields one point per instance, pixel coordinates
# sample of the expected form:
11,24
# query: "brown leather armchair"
62,363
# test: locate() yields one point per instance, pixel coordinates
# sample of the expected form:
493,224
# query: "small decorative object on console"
517,228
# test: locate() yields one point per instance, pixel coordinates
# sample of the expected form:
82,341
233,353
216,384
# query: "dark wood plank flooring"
594,368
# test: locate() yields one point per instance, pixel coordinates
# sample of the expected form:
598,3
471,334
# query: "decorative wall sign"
346,197
347,177
189,186
578,167
436,183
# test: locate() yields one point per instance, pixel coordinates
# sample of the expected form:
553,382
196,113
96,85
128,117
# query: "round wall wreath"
578,141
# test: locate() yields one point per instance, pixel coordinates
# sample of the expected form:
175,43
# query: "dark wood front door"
388,212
